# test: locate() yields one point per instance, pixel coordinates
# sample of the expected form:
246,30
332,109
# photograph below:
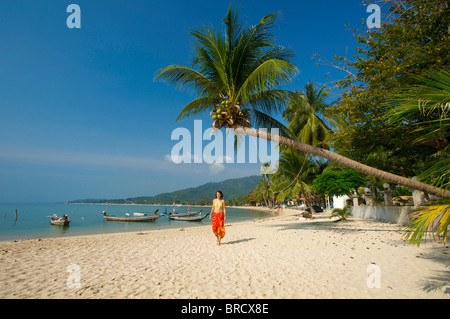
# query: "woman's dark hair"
221,194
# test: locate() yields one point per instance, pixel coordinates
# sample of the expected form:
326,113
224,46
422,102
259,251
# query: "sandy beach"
277,257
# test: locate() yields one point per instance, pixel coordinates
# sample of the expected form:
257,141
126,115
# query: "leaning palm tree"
237,77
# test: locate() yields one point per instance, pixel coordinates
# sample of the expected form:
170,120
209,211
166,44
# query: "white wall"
391,214
340,201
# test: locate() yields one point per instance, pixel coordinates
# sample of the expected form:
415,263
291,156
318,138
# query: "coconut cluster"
227,114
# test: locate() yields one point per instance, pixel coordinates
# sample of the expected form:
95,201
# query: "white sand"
279,257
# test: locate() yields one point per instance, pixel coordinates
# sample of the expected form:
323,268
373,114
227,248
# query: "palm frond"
431,100
426,106
210,68
197,106
431,218
213,46
269,75
306,117
263,120
233,28
270,101
437,171
249,49
182,76
341,212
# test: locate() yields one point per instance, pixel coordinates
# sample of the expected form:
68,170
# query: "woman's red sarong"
218,225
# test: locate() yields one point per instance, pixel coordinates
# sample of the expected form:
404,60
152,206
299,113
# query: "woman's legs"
218,227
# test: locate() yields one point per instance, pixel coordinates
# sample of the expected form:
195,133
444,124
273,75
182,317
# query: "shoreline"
93,231
275,257
178,205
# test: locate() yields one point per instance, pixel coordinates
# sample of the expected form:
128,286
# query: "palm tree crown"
306,115
239,72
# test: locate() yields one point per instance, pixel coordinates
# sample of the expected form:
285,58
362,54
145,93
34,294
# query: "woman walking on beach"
219,216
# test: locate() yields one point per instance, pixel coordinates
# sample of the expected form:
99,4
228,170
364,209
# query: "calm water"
34,219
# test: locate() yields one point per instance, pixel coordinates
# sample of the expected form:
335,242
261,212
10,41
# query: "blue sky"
80,113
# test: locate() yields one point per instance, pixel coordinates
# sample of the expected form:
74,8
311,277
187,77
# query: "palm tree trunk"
308,203
334,157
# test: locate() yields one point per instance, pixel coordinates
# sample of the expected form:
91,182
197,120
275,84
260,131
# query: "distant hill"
231,188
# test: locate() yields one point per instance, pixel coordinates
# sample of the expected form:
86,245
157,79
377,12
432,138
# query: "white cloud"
216,168
167,157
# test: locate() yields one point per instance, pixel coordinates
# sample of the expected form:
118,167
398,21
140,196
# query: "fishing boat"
131,219
180,214
60,221
189,218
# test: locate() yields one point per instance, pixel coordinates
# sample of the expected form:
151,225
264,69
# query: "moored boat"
189,218
180,214
131,219
60,221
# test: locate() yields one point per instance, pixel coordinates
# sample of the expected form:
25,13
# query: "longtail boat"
189,218
180,214
131,219
60,221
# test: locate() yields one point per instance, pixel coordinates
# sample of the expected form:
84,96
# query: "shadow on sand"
441,280
237,241
324,223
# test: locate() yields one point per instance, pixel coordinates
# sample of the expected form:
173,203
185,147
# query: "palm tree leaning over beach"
237,77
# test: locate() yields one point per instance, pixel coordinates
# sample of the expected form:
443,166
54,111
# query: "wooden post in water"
16,213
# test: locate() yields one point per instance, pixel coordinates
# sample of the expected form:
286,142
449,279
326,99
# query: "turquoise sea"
33,220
